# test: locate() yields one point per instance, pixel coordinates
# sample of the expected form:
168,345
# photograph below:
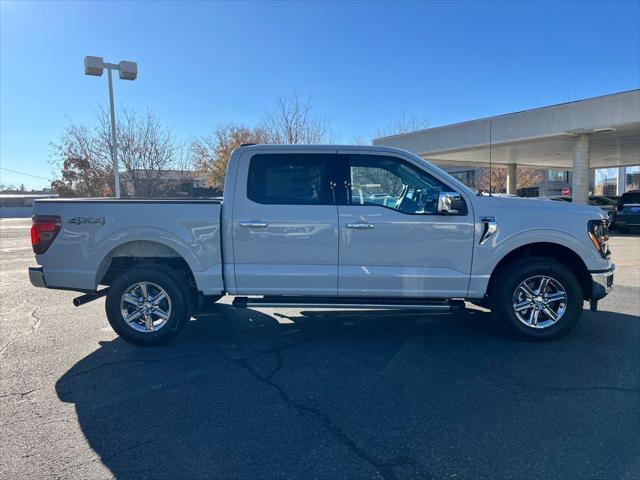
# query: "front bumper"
601,283
37,277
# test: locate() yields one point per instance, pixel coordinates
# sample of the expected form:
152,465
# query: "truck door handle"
360,226
253,224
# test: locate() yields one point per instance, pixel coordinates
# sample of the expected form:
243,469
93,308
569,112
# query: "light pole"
128,71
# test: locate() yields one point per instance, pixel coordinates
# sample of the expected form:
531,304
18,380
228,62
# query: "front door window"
391,183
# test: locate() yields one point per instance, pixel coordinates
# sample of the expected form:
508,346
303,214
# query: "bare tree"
146,150
527,177
404,124
530,177
86,169
293,122
493,180
360,139
186,170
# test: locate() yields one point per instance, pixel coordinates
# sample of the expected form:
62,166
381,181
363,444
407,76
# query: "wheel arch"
138,252
554,251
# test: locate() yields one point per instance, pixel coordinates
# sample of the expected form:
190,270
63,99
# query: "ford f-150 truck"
330,227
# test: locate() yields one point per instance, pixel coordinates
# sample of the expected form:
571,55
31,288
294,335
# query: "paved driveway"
315,394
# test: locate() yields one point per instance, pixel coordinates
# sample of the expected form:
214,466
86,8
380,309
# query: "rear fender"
201,252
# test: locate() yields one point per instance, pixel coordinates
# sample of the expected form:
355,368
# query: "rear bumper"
37,277
601,283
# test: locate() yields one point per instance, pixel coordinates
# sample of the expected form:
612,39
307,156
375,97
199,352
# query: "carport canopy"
599,132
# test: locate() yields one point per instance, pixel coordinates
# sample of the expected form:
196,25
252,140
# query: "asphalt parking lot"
315,394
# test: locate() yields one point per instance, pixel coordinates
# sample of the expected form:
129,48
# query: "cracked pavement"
314,394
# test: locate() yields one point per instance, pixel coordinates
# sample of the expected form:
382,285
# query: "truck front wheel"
146,305
537,298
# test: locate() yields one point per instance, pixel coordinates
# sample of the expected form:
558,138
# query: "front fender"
489,255
503,246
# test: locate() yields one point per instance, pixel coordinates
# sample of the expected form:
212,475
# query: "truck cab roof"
327,147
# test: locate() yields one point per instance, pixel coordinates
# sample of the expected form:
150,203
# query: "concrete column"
581,161
512,177
622,180
592,181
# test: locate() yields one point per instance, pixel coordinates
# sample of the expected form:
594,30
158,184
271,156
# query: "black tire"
159,276
509,279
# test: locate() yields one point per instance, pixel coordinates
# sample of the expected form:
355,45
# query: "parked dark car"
605,203
627,213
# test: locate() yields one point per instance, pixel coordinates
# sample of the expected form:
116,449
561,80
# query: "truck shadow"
316,394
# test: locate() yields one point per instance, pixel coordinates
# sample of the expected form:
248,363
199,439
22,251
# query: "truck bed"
94,231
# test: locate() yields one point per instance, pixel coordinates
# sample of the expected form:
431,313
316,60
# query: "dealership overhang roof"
542,137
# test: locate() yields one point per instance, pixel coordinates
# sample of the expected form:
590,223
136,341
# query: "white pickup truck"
328,227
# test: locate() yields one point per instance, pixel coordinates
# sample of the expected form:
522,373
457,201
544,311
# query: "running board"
350,303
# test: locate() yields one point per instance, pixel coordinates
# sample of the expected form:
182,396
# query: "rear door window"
292,179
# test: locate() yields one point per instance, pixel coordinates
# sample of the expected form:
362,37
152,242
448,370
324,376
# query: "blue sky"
366,64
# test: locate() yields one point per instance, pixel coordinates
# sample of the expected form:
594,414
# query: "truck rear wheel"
146,305
537,298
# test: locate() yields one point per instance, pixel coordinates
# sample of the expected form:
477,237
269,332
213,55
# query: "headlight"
599,235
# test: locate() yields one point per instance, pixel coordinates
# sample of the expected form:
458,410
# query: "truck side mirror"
451,203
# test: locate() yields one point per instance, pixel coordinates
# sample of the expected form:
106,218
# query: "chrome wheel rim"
145,307
539,301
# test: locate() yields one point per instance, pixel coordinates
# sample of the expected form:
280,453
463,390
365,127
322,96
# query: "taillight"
44,231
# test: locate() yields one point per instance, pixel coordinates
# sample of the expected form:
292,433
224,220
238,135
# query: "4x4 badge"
80,220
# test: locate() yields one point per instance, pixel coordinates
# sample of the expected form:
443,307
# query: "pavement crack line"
110,456
32,328
21,394
524,383
532,386
277,368
140,362
293,344
36,324
6,346
13,309
107,457
384,467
